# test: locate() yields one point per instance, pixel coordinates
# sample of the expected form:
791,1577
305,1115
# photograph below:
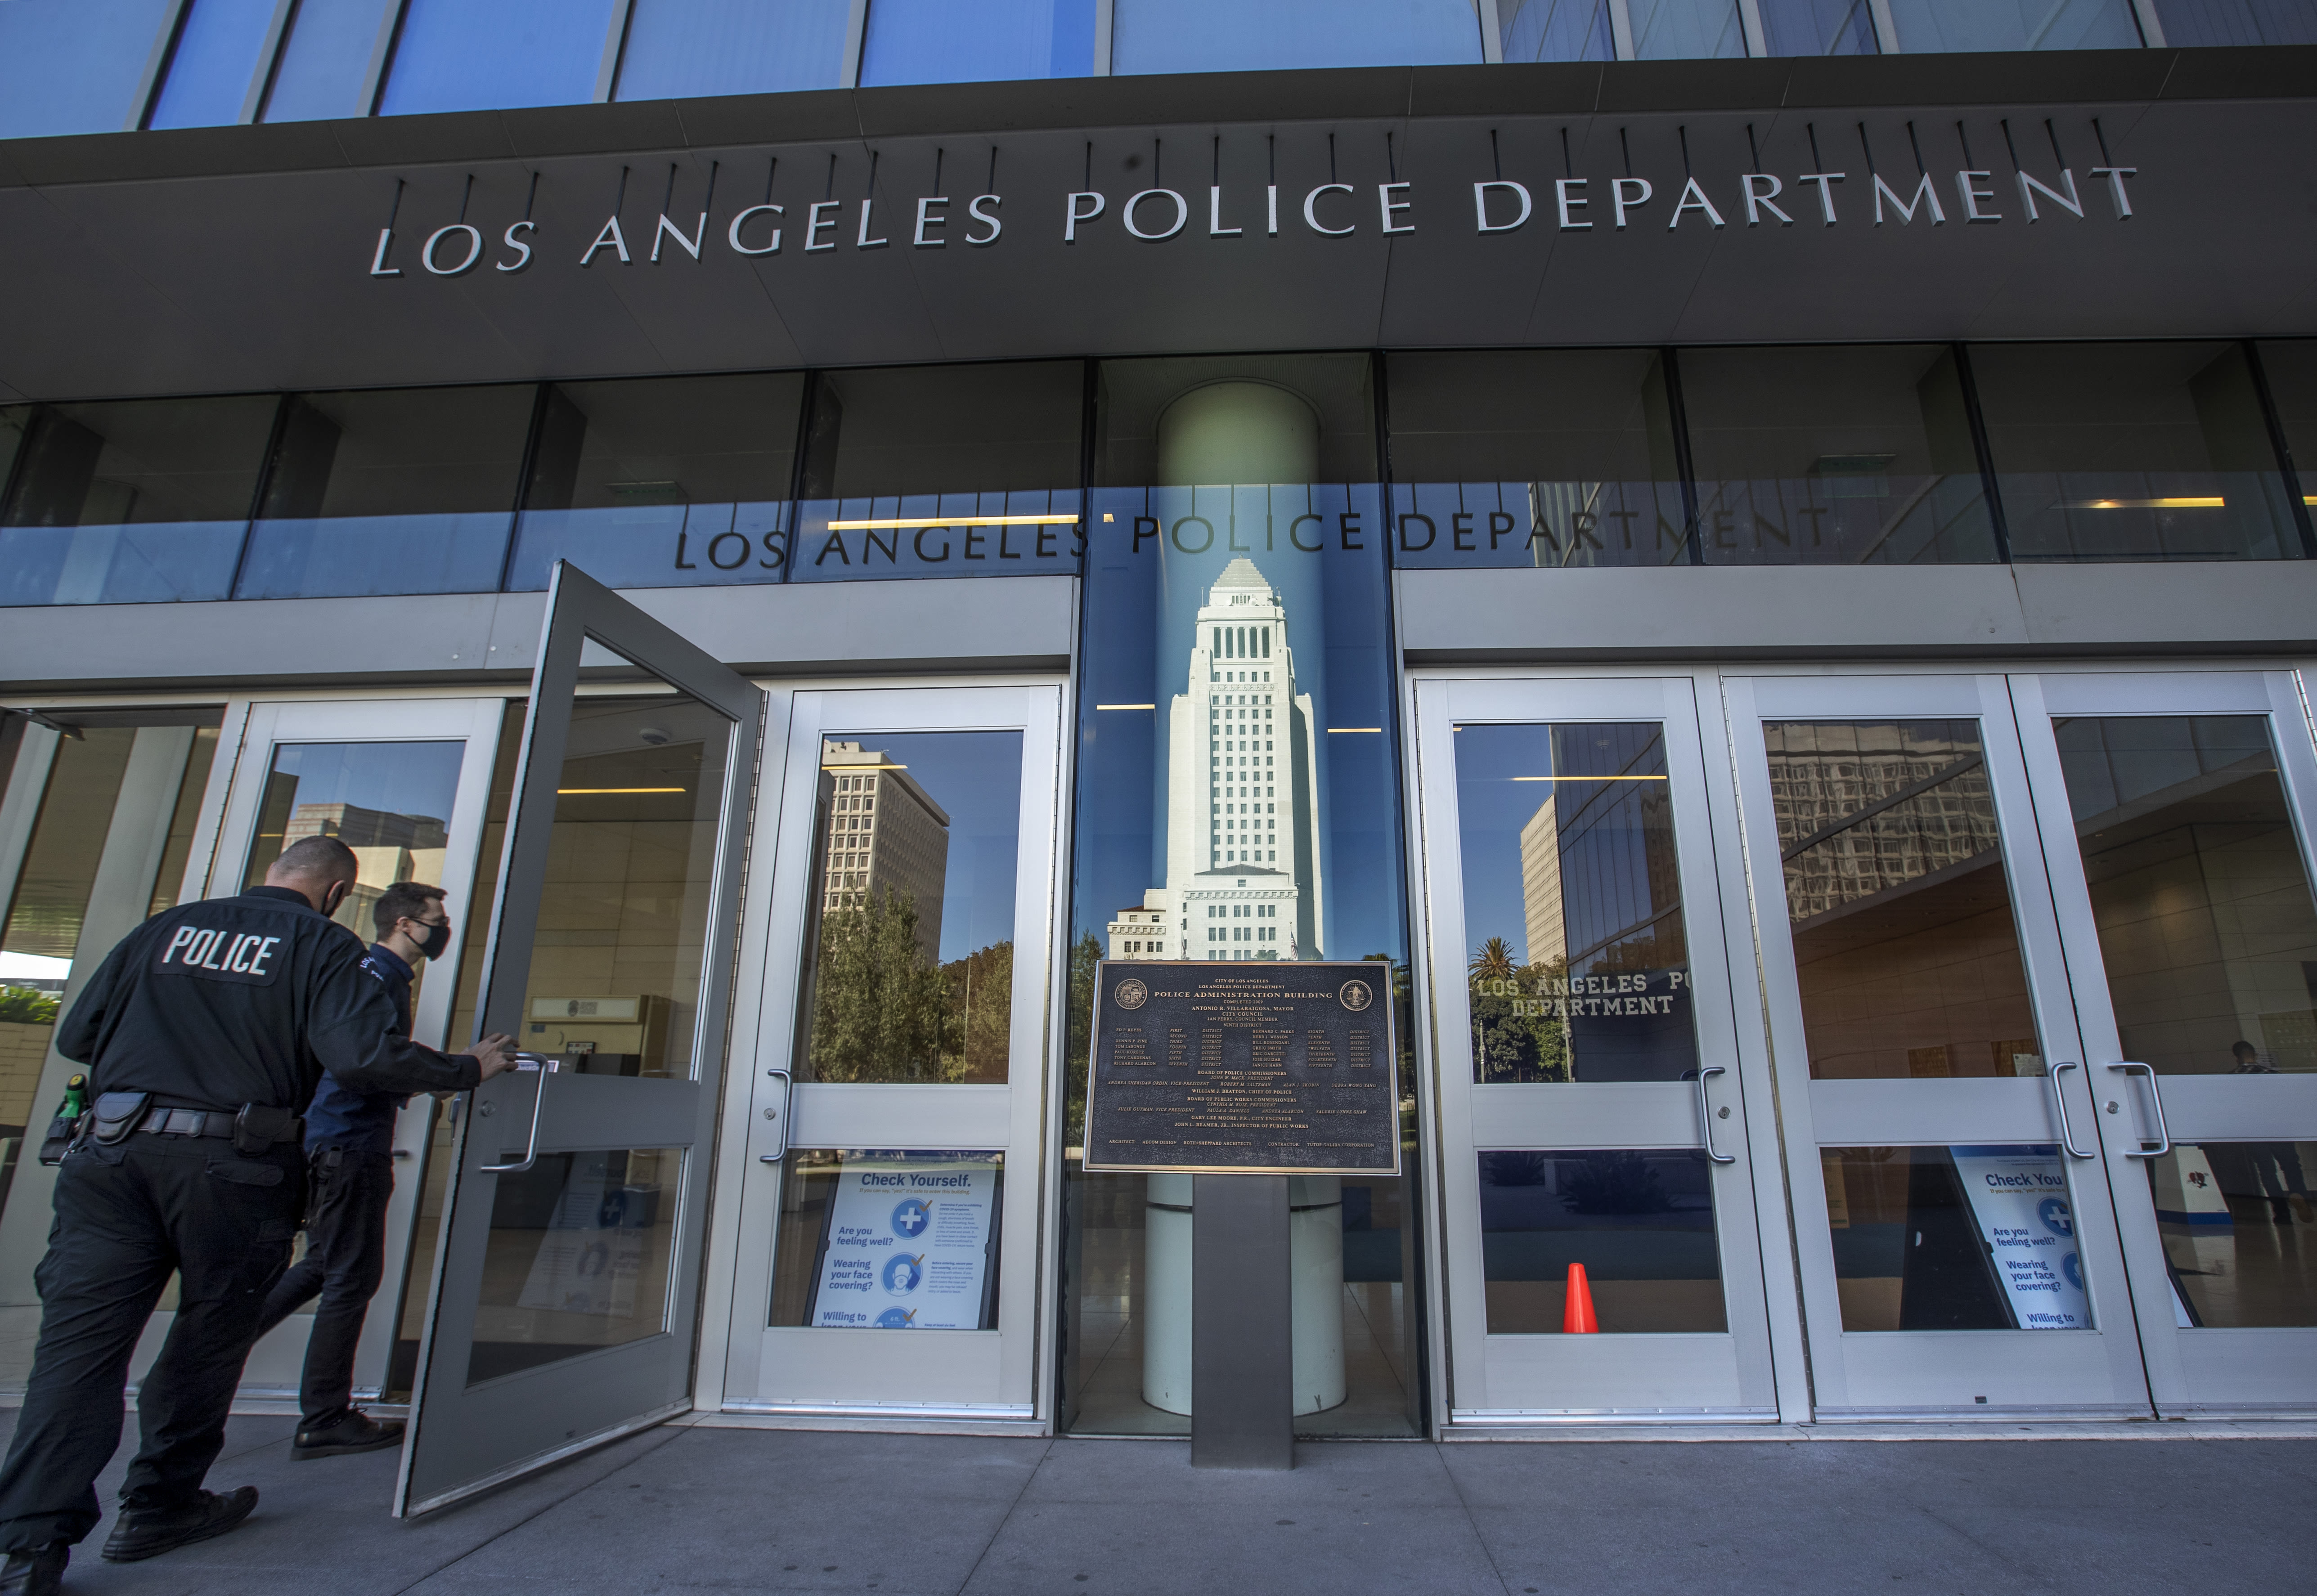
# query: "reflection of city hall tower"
1243,867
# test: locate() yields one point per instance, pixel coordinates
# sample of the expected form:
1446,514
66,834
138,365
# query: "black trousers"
127,1217
344,1261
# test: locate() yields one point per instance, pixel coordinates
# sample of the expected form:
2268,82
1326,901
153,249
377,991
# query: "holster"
62,1134
258,1126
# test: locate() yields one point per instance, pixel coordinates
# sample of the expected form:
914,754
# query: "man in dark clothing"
206,1032
350,1176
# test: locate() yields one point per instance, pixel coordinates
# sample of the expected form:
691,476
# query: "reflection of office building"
1865,810
1146,929
1242,809
1540,852
886,834
358,827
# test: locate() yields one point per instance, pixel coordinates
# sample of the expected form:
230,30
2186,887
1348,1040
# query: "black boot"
140,1535
354,1430
38,1571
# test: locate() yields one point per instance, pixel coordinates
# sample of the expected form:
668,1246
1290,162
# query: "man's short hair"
405,900
317,858
2245,1050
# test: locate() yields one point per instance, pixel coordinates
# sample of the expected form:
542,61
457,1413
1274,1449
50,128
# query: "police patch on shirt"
250,957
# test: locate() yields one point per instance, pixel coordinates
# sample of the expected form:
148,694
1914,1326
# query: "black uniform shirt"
248,999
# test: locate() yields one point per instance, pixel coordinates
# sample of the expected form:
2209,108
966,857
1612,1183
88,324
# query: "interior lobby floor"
702,1507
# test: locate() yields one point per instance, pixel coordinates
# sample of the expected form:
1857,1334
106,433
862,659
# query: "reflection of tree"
1085,953
1494,959
980,998
880,1009
1516,1036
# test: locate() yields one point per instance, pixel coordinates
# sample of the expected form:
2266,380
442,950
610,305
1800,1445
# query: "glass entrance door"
1957,1245
895,1152
2177,815
566,1286
1601,1108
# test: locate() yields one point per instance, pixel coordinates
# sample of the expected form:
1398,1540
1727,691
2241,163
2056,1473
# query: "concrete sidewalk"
717,1509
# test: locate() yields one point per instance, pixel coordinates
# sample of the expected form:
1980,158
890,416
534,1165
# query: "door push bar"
1705,1113
2060,1109
2156,1097
544,1067
780,1115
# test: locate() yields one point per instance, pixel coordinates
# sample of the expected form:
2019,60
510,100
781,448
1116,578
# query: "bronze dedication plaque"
1268,1068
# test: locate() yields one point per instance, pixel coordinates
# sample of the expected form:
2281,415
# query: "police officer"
350,1179
206,1030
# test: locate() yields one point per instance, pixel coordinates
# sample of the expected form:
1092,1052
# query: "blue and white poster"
908,1243
2019,1196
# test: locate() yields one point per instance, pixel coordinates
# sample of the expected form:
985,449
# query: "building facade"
1751,553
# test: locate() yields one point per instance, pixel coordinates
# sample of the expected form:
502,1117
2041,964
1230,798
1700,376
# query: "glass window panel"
912,915
942,471
2191,22
1575,949
666,482
1818,28
1638,1226
1927,26
680,48
390,492
576,1258
217,59
970,41
1222,36
1900,907
129,503
390,802
615,966
1556,29
1954,1238
889,1241
2235,1217
2133,452
1848,456
1559,459
1686,30
2290,370
75,66
1235,753
326,65
2199,889
453,55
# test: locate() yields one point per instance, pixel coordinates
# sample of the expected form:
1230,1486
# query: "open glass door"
1598,1176
1957,1246
565,1287
2177,812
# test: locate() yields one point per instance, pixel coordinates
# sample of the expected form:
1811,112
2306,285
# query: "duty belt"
187,1122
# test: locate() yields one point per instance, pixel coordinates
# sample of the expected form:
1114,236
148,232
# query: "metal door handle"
531,1147
780,1115
2155,1096
1705,1113
2060,1108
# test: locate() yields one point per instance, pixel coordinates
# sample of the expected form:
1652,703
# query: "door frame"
1764,1262
767,1015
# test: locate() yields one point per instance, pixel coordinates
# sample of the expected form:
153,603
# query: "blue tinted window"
1686,30
662,482
1817,28
325,63
129,502
408,491
74,66
1235,36
968,40
1929,25
1556,29
216,60
2188,22
680,48
455,55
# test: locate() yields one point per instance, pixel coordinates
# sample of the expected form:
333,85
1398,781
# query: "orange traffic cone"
1577,1314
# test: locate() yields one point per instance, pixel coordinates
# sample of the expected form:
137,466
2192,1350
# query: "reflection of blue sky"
977,777
399,778
1491,807
1143,596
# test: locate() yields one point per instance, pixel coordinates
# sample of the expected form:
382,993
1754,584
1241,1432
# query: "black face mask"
438,938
